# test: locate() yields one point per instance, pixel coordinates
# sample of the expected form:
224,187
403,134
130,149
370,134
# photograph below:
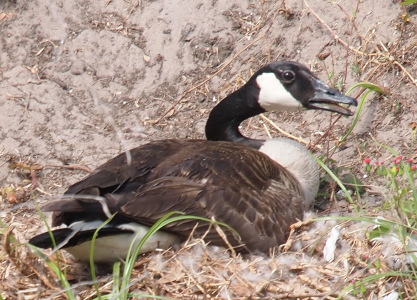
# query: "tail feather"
44,240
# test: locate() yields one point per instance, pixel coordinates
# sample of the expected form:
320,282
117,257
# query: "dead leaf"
4,15
323,55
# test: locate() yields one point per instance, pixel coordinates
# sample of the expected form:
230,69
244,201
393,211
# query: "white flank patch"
115,247
274,96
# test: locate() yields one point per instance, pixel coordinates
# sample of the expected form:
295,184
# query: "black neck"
225,118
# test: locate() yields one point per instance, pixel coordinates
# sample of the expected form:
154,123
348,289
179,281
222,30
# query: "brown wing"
234,184
260,225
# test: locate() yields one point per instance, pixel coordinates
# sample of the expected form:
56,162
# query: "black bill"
327,98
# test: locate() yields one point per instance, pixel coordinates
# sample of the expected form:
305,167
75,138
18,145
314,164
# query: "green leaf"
408,2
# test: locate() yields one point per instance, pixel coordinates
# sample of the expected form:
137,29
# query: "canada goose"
257,187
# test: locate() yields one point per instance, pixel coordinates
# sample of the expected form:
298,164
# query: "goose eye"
288,76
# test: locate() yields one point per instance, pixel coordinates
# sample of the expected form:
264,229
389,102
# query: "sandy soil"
81,81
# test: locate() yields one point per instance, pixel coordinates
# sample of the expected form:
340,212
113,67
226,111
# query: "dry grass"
200,271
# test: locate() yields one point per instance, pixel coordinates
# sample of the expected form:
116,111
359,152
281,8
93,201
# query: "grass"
409,2
122,271
56,265
123,291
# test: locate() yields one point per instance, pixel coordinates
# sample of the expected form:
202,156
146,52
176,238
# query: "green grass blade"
373,278
357,116
408,2
410,178
92,265
57,270
116,278
371,88
367,85
390,149
134,253
56,267
48,228
139,296
337,180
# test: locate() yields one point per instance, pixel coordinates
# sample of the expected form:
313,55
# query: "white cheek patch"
273,95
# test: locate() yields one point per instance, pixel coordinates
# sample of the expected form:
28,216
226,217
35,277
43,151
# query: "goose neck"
225,118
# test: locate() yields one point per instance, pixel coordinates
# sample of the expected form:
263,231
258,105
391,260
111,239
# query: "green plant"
370,87
122,292
360,286
55,266
92,264
336,179
400,177
334,173
380,228
409,2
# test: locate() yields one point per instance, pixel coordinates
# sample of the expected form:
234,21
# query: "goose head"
290,86
278,86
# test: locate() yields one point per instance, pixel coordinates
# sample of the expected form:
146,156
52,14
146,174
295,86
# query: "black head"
278,86
291,86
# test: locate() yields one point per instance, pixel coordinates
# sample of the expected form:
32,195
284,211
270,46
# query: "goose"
257,187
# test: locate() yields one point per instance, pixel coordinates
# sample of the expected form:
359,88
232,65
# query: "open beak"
327,98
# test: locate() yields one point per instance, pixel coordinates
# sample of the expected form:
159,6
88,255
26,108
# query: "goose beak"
327,98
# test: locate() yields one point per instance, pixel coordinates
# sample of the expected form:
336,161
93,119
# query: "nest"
200,271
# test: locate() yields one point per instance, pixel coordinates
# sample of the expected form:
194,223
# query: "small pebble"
77,67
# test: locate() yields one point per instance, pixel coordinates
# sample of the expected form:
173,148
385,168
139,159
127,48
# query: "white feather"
391,296
329,249
295,158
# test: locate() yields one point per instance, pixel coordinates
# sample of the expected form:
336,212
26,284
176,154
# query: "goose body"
257,187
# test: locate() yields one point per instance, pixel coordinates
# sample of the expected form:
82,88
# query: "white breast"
298,160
